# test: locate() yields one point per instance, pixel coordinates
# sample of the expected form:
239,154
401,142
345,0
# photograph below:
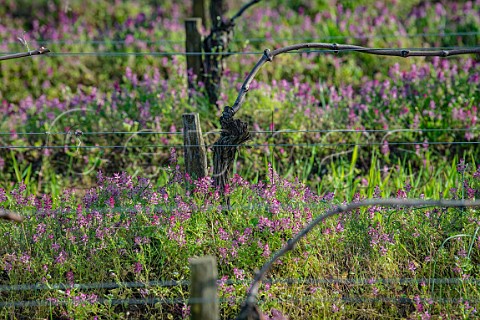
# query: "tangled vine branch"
37,52
234,131
404,53
243,9
249,309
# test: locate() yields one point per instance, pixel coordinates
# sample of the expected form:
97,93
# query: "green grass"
83,228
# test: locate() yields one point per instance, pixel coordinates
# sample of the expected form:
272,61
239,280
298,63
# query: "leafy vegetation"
88,156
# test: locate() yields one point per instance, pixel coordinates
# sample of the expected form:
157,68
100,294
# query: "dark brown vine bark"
216,44
234,133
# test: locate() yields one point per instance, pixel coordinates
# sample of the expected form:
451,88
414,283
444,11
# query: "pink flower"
111,202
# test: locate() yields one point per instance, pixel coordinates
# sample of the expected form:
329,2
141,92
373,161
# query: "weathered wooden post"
199,8
203,289
193,44
194,146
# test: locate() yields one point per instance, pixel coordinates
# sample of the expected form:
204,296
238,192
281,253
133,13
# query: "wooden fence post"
200,11
194,146
193,43
203,289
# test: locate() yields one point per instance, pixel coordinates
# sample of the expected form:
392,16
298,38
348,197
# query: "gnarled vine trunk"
234,133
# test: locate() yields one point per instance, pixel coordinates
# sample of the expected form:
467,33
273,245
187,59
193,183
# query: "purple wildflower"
461,166
476,175
385,149
186,312
412,267
239,273
3,195
70,277
223,234
335,308
137,267
61,257
462,253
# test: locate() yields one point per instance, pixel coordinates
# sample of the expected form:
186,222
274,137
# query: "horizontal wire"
360,299
156,208
132,301
322,204
154,54
365,281
263,39
272,132
186,301
226,53
92,133
89,286
247,145
291,281
118,226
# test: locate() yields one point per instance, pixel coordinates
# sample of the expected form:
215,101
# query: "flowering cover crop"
112,221
125,231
